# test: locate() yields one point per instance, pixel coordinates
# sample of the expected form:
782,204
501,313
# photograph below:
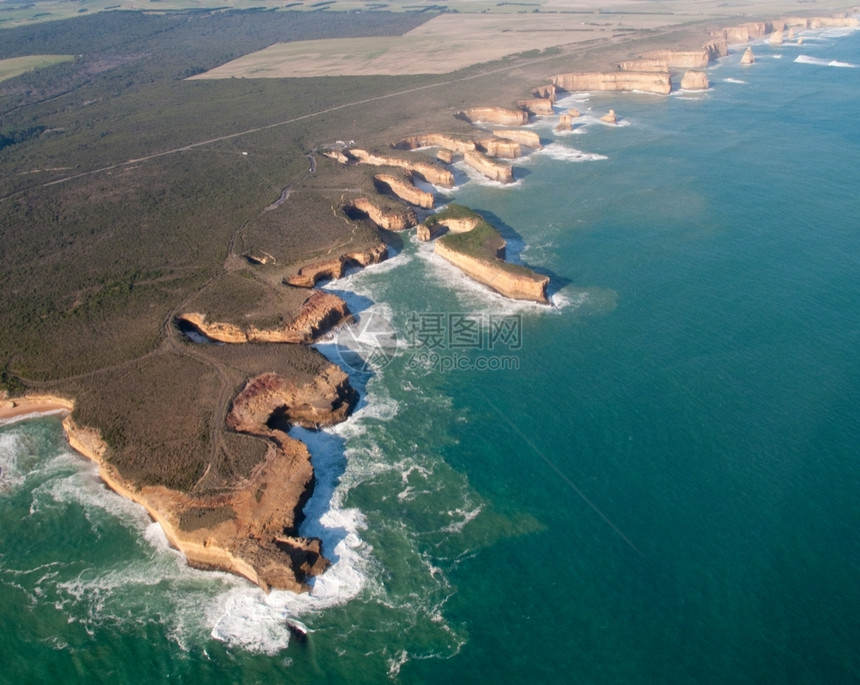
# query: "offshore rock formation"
318,315
537,106
491,168
695,80
523,137
496,115
389,218
776,38
748,57
610,117
564,123
428,170
405,190
252,530
334,267
478,250
645,81
680,59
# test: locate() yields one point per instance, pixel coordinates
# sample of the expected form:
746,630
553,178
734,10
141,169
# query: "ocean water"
654,480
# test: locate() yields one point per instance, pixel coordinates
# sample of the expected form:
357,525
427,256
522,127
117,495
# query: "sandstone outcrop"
318,315
496,115
610,117
453,142
564,123
521,136
776,38
390,218
428,170
537,106
252,530
491,168
645,81
695,80
444,155
334,267
744,33
547,91
495,146
404,189
680,59
478,250
748,57
644,65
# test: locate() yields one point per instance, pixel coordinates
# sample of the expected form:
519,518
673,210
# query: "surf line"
549,462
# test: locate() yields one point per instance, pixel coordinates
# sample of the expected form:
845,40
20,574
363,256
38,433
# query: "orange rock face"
521,136
680,59
255,532
695,80
310,274
405,190
428,170
539,106
496,115
385,217
491,168
645,81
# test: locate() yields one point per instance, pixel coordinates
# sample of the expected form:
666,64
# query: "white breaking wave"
818,61
566,153
735,80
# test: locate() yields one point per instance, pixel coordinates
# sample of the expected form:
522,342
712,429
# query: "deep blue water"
664,489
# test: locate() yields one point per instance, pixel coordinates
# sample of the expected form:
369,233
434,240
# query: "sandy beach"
32,406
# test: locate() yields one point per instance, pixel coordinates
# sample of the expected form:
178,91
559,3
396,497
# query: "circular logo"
367,344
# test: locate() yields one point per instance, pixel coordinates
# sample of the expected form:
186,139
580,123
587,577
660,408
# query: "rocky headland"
477,249
251,529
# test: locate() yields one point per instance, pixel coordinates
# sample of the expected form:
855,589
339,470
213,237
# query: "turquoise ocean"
654,480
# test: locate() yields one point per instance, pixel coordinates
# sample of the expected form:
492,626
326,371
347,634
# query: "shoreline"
198,551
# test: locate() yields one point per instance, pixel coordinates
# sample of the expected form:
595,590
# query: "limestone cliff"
444,155
478,250
390,218
404,189
547,91
695,80
645,81
252,530
453,142
521,136
680,59
496,115
318,315
538,106
564,123
430,171
496,146
334,267
491,168
744,33
644,65
748,57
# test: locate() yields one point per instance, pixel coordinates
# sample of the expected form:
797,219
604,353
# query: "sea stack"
776,38
749,57
610,117
694,80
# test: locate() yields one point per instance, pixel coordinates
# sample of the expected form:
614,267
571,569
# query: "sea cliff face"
645,81
391,219
319,314
447,141
496,115
252,529
523,137
429,171
518,286
680,59
538,106
334,267
405,190
695,80
491,168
